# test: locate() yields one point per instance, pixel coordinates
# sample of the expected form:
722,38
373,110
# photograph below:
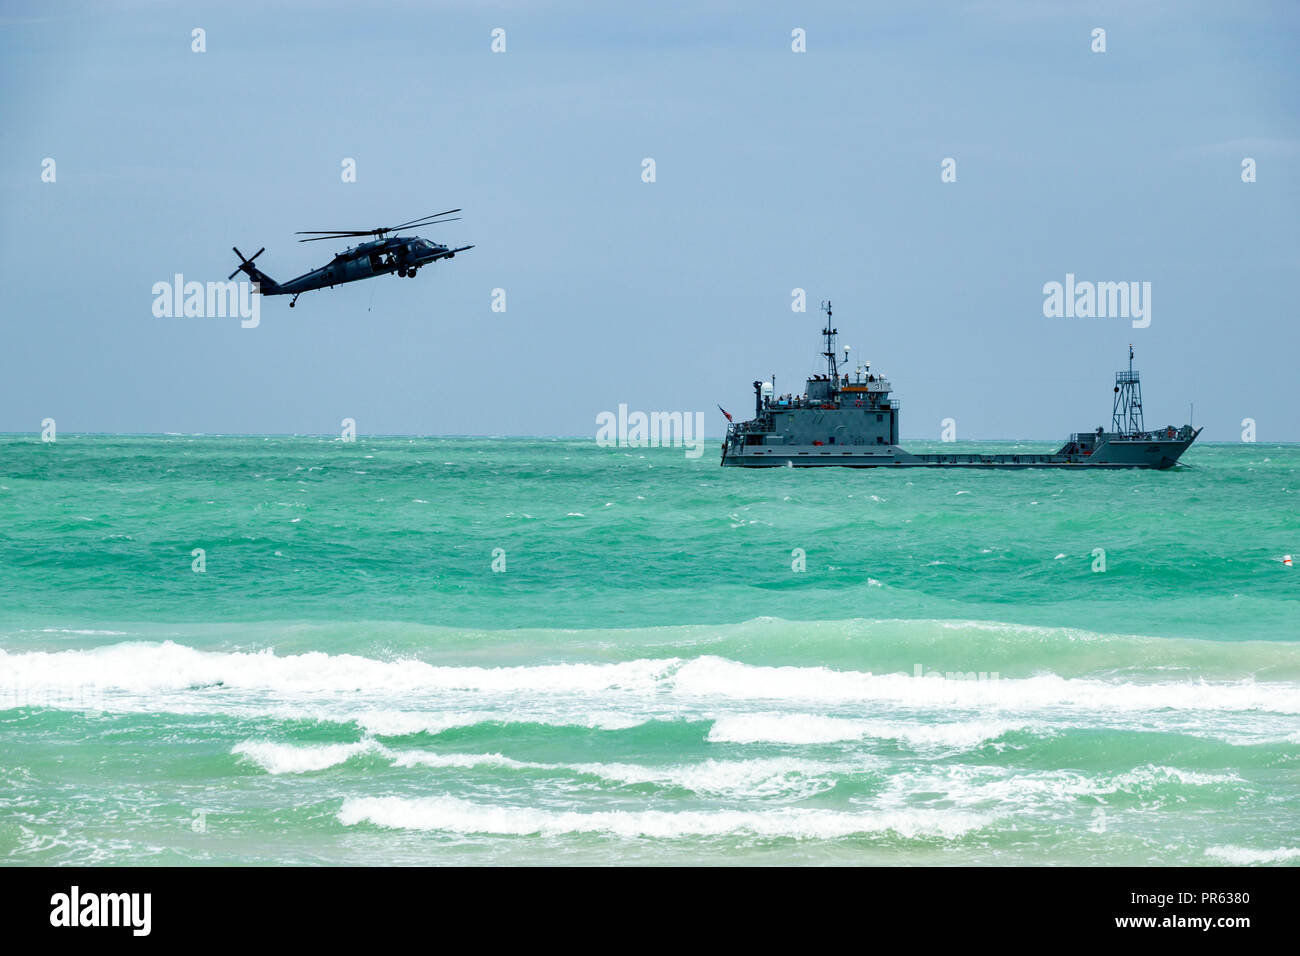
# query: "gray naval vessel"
852,420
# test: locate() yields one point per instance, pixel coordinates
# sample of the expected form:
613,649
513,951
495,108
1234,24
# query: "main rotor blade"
421,225
434,219
422,218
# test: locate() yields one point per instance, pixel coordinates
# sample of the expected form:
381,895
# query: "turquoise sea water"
952,678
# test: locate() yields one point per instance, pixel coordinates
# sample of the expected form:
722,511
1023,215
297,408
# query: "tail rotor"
245,265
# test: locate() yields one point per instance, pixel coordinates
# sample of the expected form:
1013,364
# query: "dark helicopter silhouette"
388,253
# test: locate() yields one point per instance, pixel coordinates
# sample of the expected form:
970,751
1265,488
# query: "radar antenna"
829,332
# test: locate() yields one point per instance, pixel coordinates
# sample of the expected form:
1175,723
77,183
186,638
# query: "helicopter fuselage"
369,259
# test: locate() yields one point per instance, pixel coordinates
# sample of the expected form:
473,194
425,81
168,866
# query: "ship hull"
1157,455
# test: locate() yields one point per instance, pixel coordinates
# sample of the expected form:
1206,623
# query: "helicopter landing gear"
402,272
410,273
294,300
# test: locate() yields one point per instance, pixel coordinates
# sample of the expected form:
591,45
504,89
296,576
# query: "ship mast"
830,333
1126,415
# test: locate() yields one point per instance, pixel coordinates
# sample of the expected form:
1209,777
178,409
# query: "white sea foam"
773,777
1253,736
277,758
817,729
396,723
1145,778
428,758
402,723
784,729
1244,856
454,815
146,667
983,787
777,777
170,677
717,677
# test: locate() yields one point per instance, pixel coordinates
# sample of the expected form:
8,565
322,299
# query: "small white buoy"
1286,559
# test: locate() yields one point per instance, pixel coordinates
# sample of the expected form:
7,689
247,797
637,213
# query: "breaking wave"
453,815
138,673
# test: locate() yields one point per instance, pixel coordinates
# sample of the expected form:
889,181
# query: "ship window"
832,441
880,439
880,418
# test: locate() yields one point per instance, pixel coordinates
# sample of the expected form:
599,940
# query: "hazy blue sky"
775,170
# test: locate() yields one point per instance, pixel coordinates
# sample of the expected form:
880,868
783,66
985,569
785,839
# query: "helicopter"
382,255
